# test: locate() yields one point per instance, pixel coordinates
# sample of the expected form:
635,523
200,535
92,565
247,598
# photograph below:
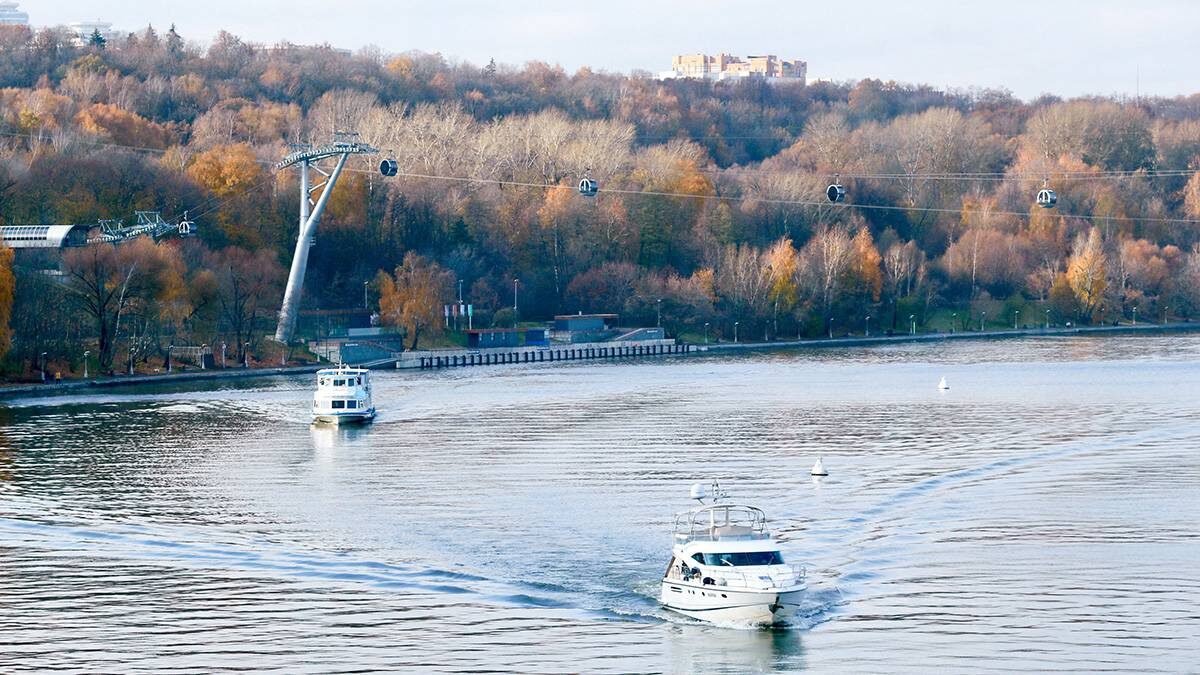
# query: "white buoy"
819,468
942,385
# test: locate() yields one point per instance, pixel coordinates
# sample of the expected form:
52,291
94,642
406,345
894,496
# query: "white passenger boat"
343,396
727,568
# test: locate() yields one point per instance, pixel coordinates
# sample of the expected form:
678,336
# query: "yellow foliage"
866,263
1086,271
123,127
226,169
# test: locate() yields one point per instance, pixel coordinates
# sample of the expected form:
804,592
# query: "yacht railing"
721,522
777,576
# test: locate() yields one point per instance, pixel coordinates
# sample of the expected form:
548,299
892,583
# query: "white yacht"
728,568
343,396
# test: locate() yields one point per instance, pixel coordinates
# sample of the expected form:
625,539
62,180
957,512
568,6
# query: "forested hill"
712,205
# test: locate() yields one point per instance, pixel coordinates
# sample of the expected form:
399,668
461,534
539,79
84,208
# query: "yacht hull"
720,604
347,418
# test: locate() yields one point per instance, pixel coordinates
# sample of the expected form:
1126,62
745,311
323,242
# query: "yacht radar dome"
818,468
698,492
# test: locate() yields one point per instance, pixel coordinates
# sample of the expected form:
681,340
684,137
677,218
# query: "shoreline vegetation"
723,210
80,385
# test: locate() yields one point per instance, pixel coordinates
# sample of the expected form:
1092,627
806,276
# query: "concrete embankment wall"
567,352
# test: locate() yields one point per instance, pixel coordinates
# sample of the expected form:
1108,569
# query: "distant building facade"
84,30
726,67
11,16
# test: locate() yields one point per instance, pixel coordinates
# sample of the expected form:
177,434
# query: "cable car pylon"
307,156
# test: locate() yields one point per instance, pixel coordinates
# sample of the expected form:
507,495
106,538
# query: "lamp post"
515,281
953,322
982,319
42,366
222,353
1016,316
460,291
831,328
366,305
912,320
170,361
1047,319
203,348
86,354
1135,315
246,355
659,321
705,332
735,330
867,326
130,362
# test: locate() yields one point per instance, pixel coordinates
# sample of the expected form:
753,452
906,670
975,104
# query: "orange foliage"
226,169
7,292
123,127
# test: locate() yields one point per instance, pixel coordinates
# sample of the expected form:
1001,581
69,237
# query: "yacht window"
340,383
351,404
338,403
359,380
743,559
699,557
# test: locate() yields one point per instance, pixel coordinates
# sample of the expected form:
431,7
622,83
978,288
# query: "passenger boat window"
358,380
743,559
338,404
339,383
351,404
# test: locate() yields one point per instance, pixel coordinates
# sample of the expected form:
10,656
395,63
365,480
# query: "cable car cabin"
187,228
389,167
1046,198
588,187
836,193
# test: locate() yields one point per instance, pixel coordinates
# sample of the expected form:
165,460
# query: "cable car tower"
307,156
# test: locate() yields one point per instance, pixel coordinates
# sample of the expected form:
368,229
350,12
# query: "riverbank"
858,341
70,386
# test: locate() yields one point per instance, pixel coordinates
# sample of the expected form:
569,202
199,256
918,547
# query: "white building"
84,30
11,16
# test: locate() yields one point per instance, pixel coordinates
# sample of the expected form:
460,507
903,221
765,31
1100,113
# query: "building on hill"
83,31
11,16
726,67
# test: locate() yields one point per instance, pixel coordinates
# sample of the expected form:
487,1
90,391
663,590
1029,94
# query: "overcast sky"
1065,47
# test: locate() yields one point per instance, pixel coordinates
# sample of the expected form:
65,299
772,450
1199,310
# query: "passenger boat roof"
342,370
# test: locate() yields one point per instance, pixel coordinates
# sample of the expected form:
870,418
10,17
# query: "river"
1040,515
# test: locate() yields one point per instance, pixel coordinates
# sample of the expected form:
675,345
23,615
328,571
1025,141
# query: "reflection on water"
1039,515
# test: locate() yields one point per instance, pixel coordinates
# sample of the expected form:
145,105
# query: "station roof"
564,317
43,236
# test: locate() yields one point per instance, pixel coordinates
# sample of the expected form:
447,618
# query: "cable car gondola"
1046,198
836,193
588,187
388,167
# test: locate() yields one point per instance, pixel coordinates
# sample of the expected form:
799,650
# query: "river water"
1042,514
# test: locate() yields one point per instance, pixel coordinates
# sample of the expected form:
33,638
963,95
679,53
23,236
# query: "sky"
1063,47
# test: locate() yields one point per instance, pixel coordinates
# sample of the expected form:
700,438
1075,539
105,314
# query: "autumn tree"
7,293
248,288
412,298
1086,272
109,281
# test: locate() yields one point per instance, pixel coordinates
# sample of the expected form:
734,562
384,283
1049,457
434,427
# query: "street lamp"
1016,315
131,361
953,322
222,353
246,355
515,281
1047,319
367,305
912,319
170,361
982,318
735,330
42,366
460,291
203,348
705,332
86,354
659,323
867,326
1135,315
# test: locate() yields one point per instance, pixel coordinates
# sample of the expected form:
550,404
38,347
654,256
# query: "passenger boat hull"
720,604
345,418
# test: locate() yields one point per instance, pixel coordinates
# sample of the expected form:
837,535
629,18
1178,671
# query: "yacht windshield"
743,559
